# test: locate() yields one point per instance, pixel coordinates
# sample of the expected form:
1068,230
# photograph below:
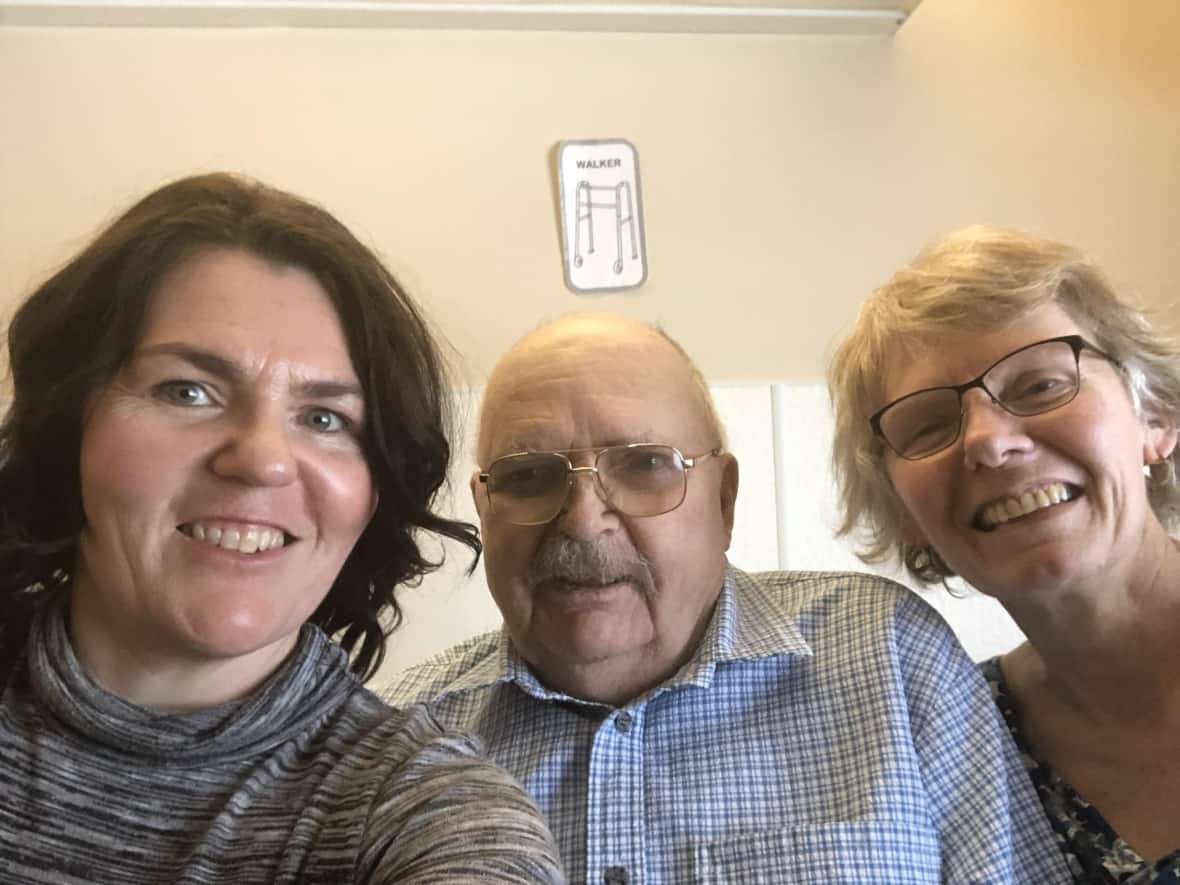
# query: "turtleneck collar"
311,683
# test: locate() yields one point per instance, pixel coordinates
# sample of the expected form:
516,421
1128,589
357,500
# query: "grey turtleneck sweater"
309,780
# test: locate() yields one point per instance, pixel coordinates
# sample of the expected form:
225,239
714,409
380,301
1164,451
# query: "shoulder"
855,616
445,810
825,595
414,738
405,756
473,663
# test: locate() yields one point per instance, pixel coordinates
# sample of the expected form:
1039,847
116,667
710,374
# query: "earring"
926,563
936,562
1163,472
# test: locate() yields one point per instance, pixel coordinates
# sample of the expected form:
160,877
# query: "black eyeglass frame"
688,462
1076,342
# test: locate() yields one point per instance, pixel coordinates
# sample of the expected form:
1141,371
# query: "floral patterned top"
1096,854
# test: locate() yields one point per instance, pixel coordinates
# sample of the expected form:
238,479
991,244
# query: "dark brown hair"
75,332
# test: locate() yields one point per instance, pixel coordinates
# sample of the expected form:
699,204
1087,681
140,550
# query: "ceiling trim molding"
556,16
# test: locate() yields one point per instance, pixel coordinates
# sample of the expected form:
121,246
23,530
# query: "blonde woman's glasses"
1037,378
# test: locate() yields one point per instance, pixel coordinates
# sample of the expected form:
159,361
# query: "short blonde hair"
981,279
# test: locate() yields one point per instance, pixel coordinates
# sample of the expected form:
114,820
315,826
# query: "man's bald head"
606,336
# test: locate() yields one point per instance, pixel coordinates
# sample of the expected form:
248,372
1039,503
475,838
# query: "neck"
157,678
1109,648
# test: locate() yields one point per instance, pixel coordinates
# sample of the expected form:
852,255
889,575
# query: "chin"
1015,583
241,635
593,648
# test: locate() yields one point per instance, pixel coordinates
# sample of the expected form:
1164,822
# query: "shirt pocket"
865,851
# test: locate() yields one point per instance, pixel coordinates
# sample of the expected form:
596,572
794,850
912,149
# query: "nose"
257,450
586,513
991,436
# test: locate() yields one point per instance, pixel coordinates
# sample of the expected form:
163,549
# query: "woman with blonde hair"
1003,415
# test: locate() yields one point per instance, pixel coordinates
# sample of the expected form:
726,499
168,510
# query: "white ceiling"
669,16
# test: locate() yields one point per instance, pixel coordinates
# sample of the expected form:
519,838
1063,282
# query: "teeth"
241,538
1001,512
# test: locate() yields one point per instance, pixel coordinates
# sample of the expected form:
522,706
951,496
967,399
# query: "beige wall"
783,177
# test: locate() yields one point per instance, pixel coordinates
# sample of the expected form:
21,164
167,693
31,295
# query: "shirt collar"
496,662
747,625
752,623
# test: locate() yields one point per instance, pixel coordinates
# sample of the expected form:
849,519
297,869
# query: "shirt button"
623,723
615,876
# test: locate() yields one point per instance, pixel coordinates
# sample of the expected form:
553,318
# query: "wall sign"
601,215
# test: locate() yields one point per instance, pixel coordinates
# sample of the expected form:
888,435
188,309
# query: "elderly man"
679,720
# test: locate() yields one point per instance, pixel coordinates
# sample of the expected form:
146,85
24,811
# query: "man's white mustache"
563,558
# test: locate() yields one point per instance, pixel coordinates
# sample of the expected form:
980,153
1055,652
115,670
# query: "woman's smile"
237,536
1018,506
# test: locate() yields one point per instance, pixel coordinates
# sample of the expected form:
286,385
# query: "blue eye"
183,393
326,421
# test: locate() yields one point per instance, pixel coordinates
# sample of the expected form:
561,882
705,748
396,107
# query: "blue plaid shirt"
829,729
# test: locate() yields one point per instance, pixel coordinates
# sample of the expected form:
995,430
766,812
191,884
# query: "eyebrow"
220,367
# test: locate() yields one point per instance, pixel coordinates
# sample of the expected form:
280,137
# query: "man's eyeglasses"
640,479
1037,378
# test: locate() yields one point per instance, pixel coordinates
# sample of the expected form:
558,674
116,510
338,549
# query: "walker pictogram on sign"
601,215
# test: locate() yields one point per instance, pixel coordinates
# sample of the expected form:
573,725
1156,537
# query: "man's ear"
1159,439
729,490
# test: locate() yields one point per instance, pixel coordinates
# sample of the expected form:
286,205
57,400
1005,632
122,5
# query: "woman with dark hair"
1003,414
227,432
